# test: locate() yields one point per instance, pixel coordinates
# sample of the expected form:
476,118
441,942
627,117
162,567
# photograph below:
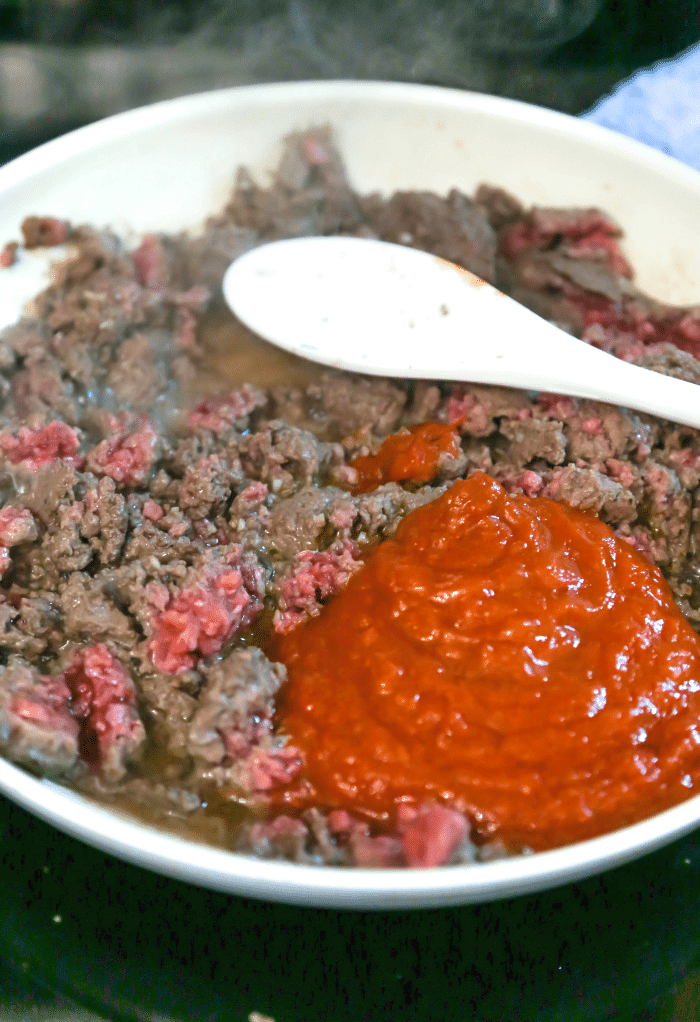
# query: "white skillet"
169,166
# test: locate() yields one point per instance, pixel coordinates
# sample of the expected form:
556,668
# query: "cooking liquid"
233,355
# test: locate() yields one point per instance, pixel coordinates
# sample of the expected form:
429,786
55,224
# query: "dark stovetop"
132,945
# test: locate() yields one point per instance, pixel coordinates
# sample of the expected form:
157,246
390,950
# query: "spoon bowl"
389,310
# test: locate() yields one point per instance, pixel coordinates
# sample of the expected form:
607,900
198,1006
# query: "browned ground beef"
146,550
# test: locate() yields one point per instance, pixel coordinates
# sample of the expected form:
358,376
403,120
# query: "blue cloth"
660,106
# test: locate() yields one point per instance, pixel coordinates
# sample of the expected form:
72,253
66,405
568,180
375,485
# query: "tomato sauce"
413,455
507,655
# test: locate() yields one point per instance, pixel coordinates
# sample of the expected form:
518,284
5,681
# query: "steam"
327,32
135,53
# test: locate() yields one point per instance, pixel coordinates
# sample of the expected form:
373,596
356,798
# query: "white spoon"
390,310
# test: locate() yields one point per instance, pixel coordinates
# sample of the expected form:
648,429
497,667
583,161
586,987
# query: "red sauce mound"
506,656
413,455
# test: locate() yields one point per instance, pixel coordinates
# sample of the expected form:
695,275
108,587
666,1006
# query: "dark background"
69,62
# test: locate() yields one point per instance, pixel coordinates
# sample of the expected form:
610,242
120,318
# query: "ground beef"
89,614
590,490
151,541
313,578
105,521
41,231
198,620
219,413
535,438
230,734
30,625
37,729
8,254
102,699
32,448
455,228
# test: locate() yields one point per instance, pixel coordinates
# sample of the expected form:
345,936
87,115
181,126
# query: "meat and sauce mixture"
345,620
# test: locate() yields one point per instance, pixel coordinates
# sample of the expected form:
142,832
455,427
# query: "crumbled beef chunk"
671,361
425,403
17,526
478,409
668,511
282,838
285,458
61,549
135,378
234,707
40,393
590,490
205,258
90,615
206,488
219,413
8,254
455,228
37,729
599,432
44,491
40,231
200,619
152,264
103,701
348,403
431,834
534,438
379,512
127,455
381,851
309,195
298,523
36,447
501,207
105,519
31,625
312,579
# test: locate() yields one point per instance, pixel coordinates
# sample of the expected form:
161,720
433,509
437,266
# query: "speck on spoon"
390,310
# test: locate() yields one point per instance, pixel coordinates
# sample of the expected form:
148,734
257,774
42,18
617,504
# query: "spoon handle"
562,364
390,310
641,389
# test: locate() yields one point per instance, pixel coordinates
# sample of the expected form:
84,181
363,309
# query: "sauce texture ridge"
505,655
